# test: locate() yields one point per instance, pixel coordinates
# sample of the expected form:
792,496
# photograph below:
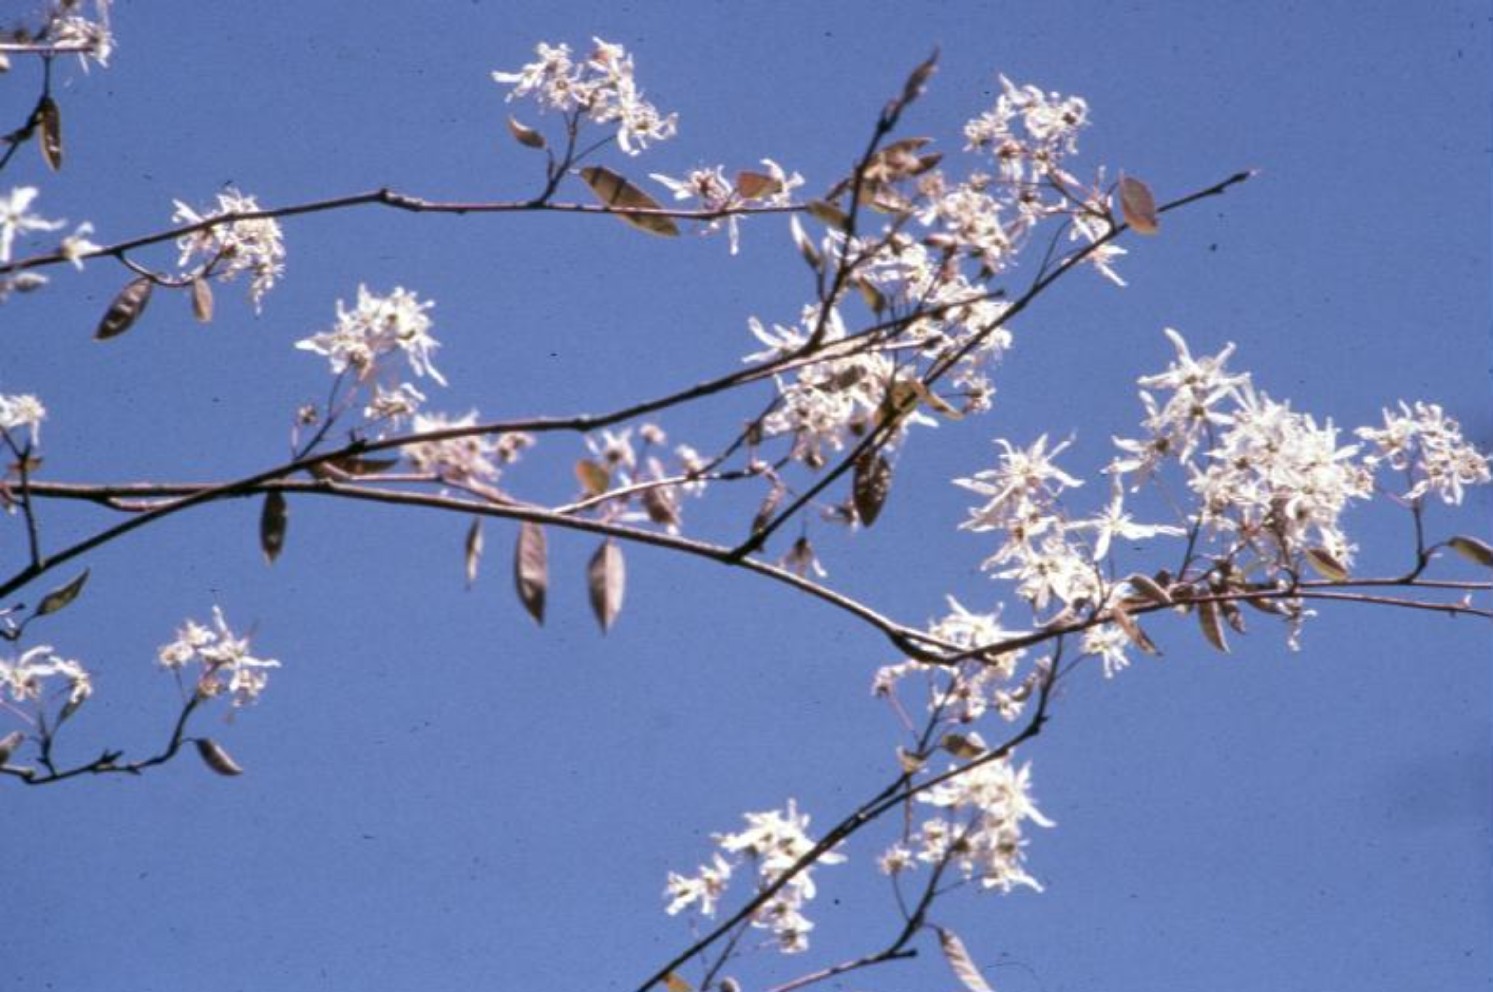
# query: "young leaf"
125,309
273,519
1149,588
673,983
526,136
1212,627
9,743
592,476
216,758
805,246
50,119
962,964
962,746
829,214
531,569
1138,206
473,550
1132,630
62,595
1326,565
615,192
202,300
606,580
753,185
873,479
1473,550
913,88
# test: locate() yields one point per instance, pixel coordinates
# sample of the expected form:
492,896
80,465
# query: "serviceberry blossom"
774,841
22,411
25,678
71,30
472,460
228,249
601,87
1029,131
981,832
225,664
378,326
963,692
1426,445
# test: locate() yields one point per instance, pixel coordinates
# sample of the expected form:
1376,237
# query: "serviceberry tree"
1220,507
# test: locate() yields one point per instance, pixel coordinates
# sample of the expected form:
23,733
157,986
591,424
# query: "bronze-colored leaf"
216,758
593,477
1138,637
962,964
125,309
873,479
755,185
472,550
50,119
274,517
806,247
531,569
606,581
1473,550
965,747
661,505
1232,615
62,595
1149,588
621,196
829,214
202,300
1138,206
1326,564
768,508
917,80
910,763
1212,626
875,299
9,743
673,983
526,136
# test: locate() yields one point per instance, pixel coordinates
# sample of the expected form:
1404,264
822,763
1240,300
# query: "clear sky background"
442,796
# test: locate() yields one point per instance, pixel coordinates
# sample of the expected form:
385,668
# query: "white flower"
24,677
226,664
376,327
472,459
1427,445
22,410
702,890
1115,522
15,218
253,246
77,244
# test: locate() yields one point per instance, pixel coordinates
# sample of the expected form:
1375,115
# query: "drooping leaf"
961,963
9,743
1232,615
754,185
1138,637
202,300
526,136
50,119
593,477
1212,626
125,309
473,550
769,506
1473,550
805,246
216,758
617,193
62,595
274,517
606,581
661,506
873,480
1138,206
1326,564
531,569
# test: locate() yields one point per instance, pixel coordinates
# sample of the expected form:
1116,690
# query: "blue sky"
442,796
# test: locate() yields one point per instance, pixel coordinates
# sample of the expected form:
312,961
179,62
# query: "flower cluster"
981,832
226,666
601,87
71,30
24,678
963,692
1427,446
233,247
470,460
377,327
775,841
